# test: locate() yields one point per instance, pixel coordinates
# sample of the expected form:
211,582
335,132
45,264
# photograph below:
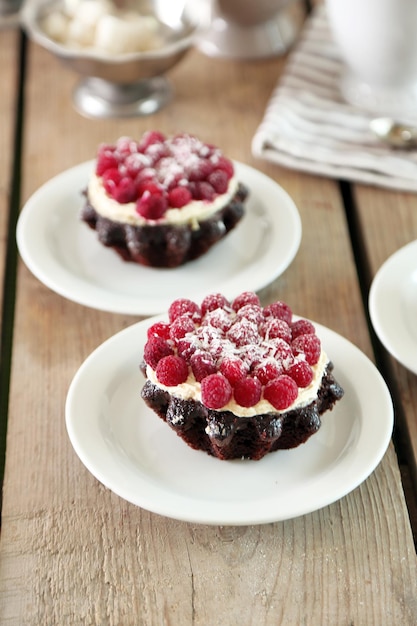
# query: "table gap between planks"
74,553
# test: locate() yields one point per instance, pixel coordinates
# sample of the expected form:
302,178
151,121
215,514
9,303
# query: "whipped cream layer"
191,390
191,214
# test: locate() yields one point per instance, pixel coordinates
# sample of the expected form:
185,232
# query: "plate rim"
233,516
381,281
109,301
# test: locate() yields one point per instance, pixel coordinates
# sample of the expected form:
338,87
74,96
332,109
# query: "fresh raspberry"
182,139
309,345
125,191
159,329
186,349
254,354
173,178
247,391
147,174
203,191
224,164
216,391
134,163
202,365
251,312
148,185
179,197
111,178
180,327
267,370
218,318
192,188
212,342
183,306
276,328
157,151
172,370
243,332
152,206
213,302
281,350
219,181
125,146
106,160
281,392
149,138
281,310
302,327
233,369
301,372
200,170
167,170
247,297
105,148
207,150
155,349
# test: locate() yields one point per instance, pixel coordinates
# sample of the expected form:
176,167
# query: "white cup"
378,42
248,29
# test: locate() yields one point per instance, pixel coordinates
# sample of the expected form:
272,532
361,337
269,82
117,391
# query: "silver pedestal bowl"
125,85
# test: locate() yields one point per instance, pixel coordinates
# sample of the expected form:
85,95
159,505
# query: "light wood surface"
388,222
8,87
72,552
8,108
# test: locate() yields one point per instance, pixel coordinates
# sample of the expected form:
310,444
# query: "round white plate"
393,305
64,253
134,453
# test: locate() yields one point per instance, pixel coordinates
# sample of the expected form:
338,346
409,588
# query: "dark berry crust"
234,437
160,245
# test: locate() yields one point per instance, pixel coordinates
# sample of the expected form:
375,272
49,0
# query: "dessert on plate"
235,379
160,201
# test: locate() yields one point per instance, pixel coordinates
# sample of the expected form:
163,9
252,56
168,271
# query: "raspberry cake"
235,379
160,201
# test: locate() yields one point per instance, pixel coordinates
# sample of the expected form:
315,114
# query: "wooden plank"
8,85
74,553
388,221
8,110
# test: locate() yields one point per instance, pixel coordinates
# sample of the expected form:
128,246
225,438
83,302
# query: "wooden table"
74,553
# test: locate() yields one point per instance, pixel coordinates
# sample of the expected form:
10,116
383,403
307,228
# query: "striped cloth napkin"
307,126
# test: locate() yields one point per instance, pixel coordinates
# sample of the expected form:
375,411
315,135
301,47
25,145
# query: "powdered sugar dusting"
163,167
230,340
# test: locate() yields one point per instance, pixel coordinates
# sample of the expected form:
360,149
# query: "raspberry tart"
160,201
235,379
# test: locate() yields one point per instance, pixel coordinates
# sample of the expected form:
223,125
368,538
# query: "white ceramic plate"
64,253
136,455
393,305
